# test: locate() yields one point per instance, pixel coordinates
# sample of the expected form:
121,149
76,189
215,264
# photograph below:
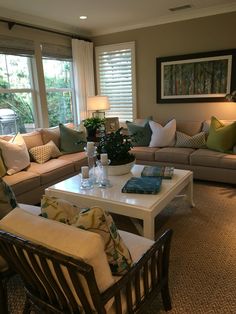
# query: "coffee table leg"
149,228
190,192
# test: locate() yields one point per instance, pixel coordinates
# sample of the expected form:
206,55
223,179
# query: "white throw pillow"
15,154
162,136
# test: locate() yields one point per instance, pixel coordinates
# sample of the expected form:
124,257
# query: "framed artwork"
200,77
111,124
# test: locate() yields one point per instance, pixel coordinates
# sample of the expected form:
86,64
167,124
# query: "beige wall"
198,35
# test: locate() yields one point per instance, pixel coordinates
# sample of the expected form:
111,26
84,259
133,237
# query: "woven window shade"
56,51
16,46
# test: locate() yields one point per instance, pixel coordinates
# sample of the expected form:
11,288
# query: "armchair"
61,279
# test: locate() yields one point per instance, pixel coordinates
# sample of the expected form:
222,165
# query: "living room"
203,248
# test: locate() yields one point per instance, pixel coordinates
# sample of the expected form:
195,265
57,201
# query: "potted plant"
117,146
92,125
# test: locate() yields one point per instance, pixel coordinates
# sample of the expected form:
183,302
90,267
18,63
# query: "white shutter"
115,65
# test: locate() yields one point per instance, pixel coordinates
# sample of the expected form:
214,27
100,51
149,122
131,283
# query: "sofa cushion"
15,154
77,159
142,133
58,209
221,137
57,236
196,141
7,199
210,158
162,136
51,134
43,153
23,181
174,155
71,141
52,170
144,153
97,220
32,139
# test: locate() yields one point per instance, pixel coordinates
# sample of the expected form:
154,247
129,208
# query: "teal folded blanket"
142,185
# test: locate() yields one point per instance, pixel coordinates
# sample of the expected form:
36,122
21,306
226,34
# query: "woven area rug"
203,253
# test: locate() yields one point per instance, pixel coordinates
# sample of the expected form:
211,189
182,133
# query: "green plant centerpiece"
117,146
92,125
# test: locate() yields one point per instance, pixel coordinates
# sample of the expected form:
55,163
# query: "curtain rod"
11,24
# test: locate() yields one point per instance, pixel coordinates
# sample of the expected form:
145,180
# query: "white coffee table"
141,206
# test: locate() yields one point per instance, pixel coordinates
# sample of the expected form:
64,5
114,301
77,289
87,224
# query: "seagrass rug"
202,275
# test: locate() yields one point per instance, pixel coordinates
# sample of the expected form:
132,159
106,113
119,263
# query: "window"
16,94
59,88
115,65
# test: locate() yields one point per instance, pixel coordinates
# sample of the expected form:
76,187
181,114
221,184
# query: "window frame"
63,89
114,47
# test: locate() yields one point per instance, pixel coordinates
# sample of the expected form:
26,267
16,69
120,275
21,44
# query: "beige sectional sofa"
30,183
206,164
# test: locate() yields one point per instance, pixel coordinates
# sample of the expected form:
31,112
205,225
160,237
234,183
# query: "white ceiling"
107,16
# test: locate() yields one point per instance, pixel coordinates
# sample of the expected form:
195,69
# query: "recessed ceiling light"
83,17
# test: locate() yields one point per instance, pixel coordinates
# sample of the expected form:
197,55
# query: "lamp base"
98,114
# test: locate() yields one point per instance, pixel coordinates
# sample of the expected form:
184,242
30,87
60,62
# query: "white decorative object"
104,159
86,182
162,136
119,170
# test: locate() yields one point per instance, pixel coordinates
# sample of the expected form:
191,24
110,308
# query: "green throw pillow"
3,170
142,133
7,199
221,137
71,141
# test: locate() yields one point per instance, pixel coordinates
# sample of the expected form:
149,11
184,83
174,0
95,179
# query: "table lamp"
98,104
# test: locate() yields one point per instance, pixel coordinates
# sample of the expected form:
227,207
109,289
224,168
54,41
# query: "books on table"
142,185
165,172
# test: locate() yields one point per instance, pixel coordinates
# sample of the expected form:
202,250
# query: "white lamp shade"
98,103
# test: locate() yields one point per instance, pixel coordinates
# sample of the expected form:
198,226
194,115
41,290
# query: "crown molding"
171,18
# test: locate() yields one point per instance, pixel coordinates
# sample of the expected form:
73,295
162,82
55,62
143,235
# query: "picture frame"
199,77
111,124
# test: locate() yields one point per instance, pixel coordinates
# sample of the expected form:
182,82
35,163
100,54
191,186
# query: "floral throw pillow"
97,220
7,199
58,209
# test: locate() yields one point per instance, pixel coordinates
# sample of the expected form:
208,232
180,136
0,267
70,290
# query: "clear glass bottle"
104,182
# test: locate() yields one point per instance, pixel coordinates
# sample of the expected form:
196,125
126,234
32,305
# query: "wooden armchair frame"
34,264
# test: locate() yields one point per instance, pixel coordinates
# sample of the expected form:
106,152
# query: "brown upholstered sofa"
206,164
30,183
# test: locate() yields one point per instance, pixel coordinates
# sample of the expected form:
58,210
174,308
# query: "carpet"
203,253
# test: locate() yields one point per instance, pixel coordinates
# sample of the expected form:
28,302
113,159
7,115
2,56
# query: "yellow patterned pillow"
58,209
43,153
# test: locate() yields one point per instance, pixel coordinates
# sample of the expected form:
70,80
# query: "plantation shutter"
115,65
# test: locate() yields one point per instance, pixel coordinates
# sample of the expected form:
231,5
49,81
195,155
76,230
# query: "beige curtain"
82,53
